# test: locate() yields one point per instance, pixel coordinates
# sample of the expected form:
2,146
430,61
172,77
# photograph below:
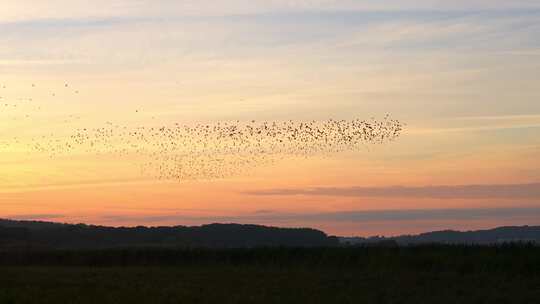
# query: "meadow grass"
440,275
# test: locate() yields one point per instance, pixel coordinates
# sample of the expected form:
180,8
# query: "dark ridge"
47,235
500,235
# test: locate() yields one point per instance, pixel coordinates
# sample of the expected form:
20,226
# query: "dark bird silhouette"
204,150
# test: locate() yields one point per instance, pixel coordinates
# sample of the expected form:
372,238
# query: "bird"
201,150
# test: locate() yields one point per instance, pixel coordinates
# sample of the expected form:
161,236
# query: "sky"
462,75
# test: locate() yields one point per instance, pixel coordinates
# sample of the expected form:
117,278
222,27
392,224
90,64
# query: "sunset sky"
464,76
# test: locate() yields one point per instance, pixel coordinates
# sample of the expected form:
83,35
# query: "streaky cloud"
487,191
37,216
366,216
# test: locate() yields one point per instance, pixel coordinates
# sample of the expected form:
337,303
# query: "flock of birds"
214,150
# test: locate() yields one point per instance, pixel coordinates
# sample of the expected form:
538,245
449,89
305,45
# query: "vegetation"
421,274
44,262
499,235
45,235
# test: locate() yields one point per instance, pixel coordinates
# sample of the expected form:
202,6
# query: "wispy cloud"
27,9
16,188
499,117
473,128
494,191
359,216
37,216
428,214
34,62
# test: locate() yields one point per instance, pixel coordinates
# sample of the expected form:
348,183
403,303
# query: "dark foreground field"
429,274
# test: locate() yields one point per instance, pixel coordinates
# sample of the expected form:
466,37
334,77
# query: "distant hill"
522,234
46,235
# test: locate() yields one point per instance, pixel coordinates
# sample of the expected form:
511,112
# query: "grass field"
324,275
